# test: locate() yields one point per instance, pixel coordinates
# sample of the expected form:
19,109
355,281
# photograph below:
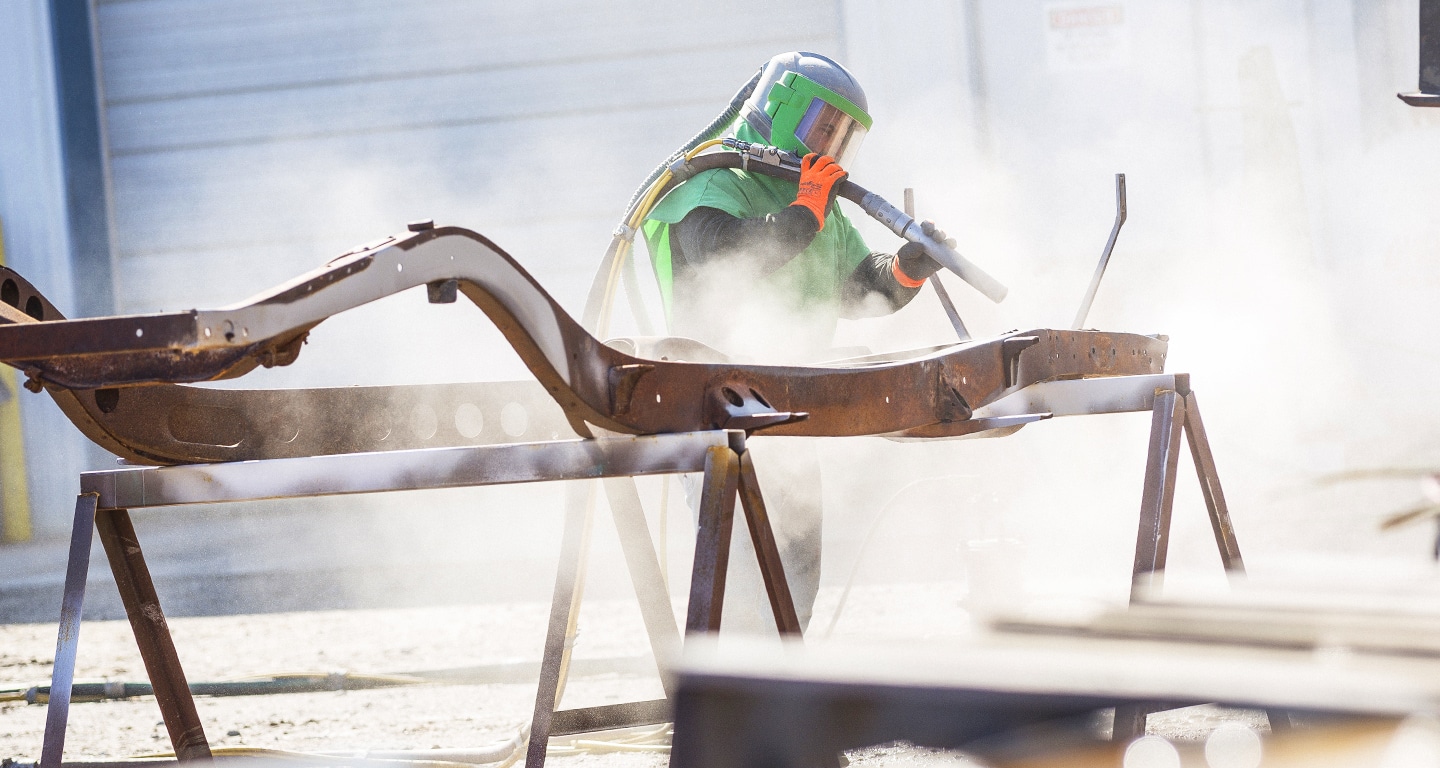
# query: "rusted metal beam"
170,424
90,365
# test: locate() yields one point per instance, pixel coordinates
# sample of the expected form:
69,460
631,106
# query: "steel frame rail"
92,367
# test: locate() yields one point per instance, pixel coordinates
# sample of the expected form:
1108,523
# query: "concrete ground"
372,641
417,639
454,579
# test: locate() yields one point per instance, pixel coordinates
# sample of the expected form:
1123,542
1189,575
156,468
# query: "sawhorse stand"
1174,410
106,497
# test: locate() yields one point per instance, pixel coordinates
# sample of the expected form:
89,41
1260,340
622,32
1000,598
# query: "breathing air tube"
769,161
597,304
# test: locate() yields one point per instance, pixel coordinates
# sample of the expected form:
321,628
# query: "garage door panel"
157,49
252,140
575,89
248,193
560,251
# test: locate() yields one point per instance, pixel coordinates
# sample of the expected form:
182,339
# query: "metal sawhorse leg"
152,634
1176,410
727,474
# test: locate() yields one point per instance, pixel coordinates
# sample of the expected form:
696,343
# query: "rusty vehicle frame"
92,367
127,383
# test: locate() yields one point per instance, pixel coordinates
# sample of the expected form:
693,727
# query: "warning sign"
1086,36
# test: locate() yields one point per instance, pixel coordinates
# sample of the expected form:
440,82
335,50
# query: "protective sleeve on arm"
874,278
769,241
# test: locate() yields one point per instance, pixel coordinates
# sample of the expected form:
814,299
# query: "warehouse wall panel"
174,48
251,141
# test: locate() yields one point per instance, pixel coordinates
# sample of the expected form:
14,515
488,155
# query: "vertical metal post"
772,570
1094,287
1176,411
83,147
564,608
62,675
712,543
152,634
1130,721
644,567
1153,540
1210,487
946,303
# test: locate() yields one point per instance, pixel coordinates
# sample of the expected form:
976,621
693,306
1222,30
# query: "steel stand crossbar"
106,497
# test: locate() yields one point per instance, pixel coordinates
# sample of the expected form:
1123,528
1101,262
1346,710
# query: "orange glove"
820,178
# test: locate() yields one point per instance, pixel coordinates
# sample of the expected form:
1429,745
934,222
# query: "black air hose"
848,189
873,205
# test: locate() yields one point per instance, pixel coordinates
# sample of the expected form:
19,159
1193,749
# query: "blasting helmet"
805,102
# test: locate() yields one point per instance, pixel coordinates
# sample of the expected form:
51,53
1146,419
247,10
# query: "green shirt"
812,280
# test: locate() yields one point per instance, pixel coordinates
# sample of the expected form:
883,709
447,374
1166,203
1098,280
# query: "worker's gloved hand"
913,264
820,178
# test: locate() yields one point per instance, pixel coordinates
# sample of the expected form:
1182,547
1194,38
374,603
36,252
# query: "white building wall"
32,212
253,140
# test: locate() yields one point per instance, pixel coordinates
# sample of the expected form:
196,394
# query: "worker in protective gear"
727,238
762,268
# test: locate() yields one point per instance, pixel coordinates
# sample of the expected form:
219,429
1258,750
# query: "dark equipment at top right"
1429,93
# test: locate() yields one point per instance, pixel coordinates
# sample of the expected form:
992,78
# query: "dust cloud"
1286,256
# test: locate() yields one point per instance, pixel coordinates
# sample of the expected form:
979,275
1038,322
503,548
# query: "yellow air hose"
632,223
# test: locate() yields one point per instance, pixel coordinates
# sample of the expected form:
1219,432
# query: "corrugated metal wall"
249,141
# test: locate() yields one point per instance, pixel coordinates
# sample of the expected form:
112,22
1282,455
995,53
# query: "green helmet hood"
804,95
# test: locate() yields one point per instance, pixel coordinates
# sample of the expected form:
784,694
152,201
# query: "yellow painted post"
14,485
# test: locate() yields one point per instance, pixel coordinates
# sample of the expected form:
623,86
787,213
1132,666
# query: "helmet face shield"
828,130
805,116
